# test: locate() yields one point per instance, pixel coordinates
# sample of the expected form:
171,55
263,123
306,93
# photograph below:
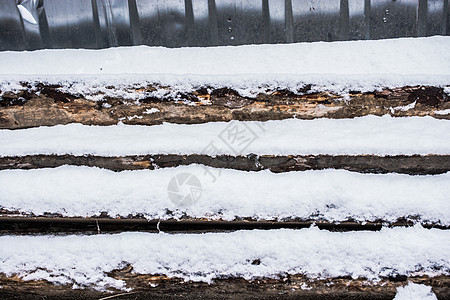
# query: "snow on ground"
414,291
83,260
365,135
334,195
335,66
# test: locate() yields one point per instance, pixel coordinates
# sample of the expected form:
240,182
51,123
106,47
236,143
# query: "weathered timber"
162,287
413,165
47,105
16,223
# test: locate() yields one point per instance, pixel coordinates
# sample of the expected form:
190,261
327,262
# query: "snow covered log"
151,85
404,164
325,195
306,262
37,104
369,135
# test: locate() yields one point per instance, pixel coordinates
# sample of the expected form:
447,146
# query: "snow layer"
365,135
442,112
175,87
427,56
414,291
334,195
84,260
336,66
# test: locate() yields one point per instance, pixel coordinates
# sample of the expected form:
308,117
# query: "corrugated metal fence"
36,24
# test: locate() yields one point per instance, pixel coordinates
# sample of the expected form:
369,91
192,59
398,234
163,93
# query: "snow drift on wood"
427,56
414,291
333,195
335,66
365,135
86,260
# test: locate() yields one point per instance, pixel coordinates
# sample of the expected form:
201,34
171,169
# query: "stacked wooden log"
54,180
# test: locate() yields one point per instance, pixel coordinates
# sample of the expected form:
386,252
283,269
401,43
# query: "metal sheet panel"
163,22
393,19
239,22
317,20
36,24
11,27
71,24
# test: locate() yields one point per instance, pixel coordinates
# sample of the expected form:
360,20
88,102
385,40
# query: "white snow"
447,90
336,66
84,260
405,107
133,87
442,112
132,117
426,56
151,111
365,135
414,291
333,195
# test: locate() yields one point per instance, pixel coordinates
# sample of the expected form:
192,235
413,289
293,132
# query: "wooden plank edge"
404,164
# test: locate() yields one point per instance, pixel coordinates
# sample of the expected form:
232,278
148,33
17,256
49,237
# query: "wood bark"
47,106
19,223
413,165
161,287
